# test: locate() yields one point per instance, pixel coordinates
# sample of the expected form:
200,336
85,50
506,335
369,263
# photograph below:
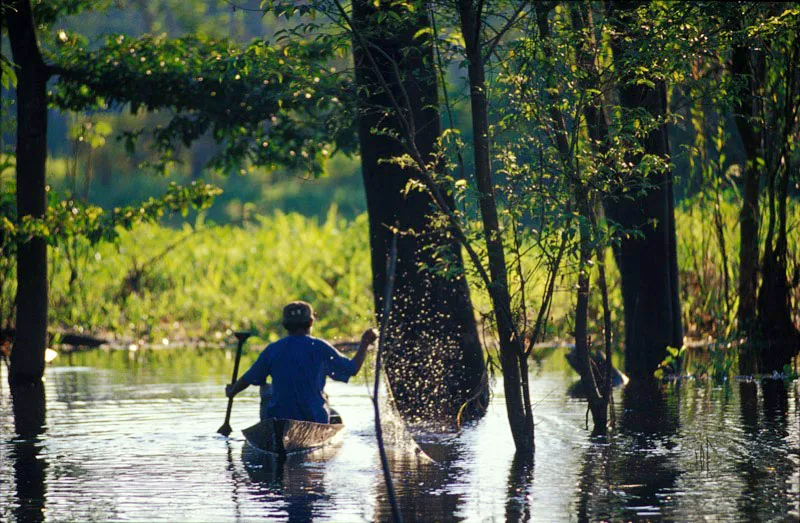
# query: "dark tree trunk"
746,65
27,356
434,359
648,265
774,305
512,361
764,313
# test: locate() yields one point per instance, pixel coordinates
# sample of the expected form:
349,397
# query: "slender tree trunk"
434,359
672,242
648,266
27,356
598,404
598,397
520,418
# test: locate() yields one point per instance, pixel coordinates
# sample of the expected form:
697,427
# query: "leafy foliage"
65,218
267,105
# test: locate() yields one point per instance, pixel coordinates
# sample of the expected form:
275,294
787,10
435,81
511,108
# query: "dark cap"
298,312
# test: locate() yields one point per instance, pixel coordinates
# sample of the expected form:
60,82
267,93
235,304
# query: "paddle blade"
225,429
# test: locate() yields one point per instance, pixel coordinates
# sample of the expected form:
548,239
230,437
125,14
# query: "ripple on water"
122,446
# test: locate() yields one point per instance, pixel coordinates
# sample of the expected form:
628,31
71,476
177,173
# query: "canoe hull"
284,436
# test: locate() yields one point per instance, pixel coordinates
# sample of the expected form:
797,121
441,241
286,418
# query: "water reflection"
648,426
422,485
520,484
296,480
768,465
30,469
138,442
633,474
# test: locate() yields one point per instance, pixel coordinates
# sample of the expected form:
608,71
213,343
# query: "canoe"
281,437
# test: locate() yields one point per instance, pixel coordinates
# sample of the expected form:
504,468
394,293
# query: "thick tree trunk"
749,67
518,407
648,266
774,305
434,359
27,356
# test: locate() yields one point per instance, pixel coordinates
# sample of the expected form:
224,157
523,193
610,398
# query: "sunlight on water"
137,441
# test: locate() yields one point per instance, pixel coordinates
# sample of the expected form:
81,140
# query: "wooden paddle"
242,336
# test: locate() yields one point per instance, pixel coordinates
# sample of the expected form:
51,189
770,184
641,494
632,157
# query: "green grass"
219,278
707,313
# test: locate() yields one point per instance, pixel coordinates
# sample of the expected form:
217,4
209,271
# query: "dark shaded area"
433,355
30,470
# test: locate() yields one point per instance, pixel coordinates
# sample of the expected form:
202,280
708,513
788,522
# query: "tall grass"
707,311
201,281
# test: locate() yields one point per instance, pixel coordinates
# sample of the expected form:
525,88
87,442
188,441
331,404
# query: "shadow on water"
632,474
29,410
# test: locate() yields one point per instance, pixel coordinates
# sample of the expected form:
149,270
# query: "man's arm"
367,339
236,388
257,373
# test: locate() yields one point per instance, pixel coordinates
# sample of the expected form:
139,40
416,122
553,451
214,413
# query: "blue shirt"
299,365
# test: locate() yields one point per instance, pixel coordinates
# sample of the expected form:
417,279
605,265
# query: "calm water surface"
132,437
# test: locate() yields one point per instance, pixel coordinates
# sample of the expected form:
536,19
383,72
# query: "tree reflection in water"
629,476
421,480
28,406
767,463
520,483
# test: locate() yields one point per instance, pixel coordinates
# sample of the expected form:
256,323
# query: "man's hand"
369,337
229,391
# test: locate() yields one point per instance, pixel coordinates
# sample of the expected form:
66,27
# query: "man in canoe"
299,364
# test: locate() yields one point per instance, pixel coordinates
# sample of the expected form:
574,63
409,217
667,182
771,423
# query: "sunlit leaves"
9,76
71,217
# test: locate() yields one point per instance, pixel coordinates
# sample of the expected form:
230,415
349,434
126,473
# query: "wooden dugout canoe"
281,437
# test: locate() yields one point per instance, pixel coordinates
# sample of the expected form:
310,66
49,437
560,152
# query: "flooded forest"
446,260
